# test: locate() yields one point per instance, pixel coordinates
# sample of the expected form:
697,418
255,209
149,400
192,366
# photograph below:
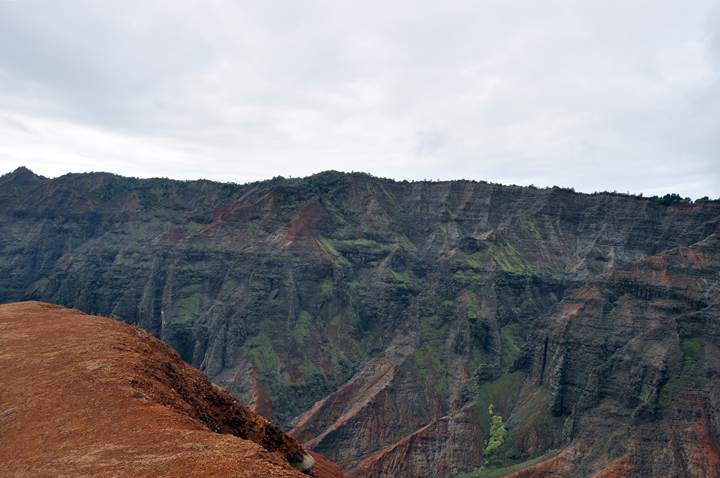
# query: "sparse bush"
673,198
497,434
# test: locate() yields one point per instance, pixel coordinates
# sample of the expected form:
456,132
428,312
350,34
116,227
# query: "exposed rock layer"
632,362
381,318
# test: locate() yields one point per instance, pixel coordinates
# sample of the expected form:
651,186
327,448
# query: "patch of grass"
647,392
390,196
361,243
433,333
406,243
476,324
307,369
403,277
260,351
502,392
432,371
472,308
301,330
504,255
529,225
511,343
188,307
502,471
508,259
692,358
433,330
468,277
327,286
476,260
329,248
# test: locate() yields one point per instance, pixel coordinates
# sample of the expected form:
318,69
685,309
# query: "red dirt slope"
89,396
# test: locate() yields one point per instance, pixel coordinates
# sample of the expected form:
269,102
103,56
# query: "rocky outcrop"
632,366
88,396
377,319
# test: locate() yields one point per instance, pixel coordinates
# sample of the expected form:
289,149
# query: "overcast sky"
596,95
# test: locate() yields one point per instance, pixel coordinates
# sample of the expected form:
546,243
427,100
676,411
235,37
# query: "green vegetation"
428,359
327,246
361,243
188,307
476,259
327,286
466,286
472,309
530,226
691,354
260,351
390,196
308,369
302,327
504,255
692,359
672,198
497,434
406,243
508,259
502,392
511,342
403,277
468,277
502,471
501,453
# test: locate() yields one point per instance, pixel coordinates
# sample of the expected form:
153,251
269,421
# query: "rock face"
380,319
632,363
89,396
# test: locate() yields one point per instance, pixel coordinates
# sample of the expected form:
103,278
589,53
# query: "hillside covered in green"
380,319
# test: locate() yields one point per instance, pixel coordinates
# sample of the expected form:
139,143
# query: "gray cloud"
596,95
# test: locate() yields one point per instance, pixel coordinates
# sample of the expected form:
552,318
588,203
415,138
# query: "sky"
596,95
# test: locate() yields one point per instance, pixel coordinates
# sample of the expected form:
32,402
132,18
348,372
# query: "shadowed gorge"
380,319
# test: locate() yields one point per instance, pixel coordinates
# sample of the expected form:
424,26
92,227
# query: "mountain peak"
23,170
23,175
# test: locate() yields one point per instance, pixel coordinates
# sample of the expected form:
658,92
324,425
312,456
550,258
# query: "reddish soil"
556,465
324,467
300,226
89,396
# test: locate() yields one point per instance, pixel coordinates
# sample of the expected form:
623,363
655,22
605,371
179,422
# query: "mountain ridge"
339,304
89,396
669,197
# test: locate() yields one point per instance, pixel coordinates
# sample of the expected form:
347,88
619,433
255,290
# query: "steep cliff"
632,364
88,396
378,318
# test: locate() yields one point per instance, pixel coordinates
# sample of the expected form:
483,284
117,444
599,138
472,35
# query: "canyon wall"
379,319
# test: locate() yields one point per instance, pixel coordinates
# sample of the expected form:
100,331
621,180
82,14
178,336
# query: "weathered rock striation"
379,319
89,396
631,361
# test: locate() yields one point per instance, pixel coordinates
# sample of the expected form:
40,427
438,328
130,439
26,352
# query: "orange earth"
89,396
